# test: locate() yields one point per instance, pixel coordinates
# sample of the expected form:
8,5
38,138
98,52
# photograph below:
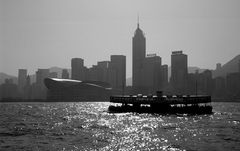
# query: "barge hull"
164,105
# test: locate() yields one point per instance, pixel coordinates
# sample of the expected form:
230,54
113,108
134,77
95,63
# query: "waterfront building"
218,66
75,90
233,84
40,75
94,73
117,71
103,66
27,88
164,75
53,75
9,89
22,77
200,83
151,73
77,65
219,87
206,82
179,71
65,74
38,89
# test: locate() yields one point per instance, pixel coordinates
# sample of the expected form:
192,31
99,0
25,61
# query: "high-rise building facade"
39,90
164,75
103,66
218,66
27,88
77,65
22,77
117,71
233,84
179,70
53,75
94,73
151,73
138,56
41,74
65,74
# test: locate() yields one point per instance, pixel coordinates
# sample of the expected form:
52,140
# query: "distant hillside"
4,76
229,67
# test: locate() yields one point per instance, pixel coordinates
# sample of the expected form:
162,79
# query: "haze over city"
42,34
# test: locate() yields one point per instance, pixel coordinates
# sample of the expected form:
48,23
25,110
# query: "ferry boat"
170,104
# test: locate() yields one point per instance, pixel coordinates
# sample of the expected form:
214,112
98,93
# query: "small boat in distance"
170,104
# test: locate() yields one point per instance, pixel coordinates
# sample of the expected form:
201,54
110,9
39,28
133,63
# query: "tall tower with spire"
138,56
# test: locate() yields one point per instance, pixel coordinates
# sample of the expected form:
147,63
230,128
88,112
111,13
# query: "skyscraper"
39,90
41,74
179,70
27,88
164,75
22,77
117,71
103,65
138,56
151,73
77,65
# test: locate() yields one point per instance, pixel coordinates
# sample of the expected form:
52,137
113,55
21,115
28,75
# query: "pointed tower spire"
138,21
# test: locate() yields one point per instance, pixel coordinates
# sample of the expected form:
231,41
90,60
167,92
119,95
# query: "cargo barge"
170,104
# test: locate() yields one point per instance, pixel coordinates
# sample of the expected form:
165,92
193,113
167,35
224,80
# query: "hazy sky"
45,33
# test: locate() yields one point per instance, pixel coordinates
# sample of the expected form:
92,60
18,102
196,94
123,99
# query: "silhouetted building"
65,74
22,77
218,66
200,83
99,72
94,73
179,71
38,89
205,82
77,69
27,88
104,65
233,85
219,87
53,75
164,75
117,71
151,73
192,81
239,66
138,56
9,89
40,75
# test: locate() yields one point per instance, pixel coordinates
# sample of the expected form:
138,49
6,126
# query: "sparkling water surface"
88,126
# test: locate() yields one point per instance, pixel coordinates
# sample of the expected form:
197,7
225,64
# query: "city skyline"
35,31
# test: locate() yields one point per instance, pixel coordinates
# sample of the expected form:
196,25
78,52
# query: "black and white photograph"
119,75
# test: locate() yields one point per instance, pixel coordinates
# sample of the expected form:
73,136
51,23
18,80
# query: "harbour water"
88,126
